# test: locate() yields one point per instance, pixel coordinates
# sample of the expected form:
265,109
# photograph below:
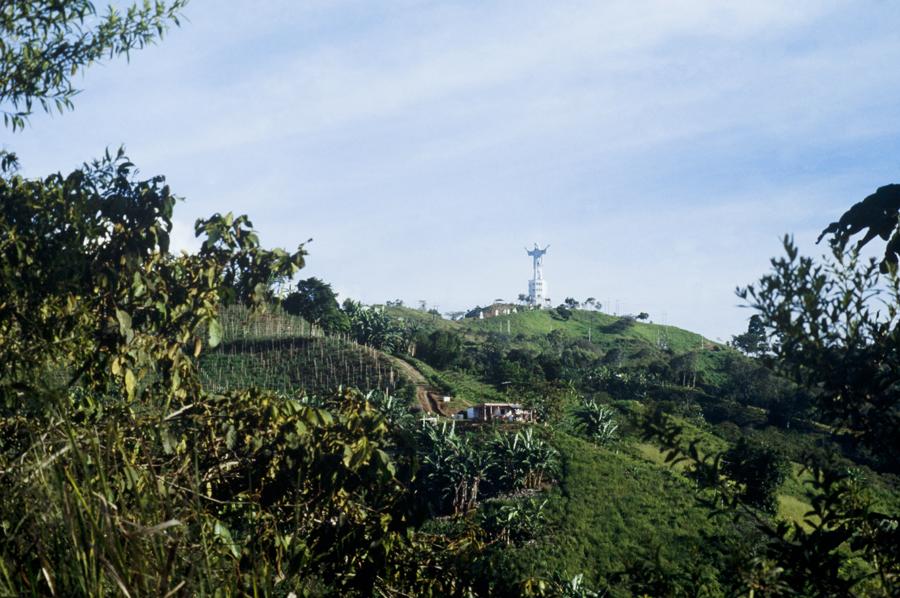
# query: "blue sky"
661,148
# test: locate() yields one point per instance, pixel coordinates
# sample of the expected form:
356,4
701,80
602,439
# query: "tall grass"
238,495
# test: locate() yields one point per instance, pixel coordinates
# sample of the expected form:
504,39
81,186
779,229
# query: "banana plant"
598,421
523,460
395,410
513,522
454,466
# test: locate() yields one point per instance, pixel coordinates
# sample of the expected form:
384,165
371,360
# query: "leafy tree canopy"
120,473
441,348
561,312
877,216
316,301
45,43
89,287
760,470
752,342
827,336
833,330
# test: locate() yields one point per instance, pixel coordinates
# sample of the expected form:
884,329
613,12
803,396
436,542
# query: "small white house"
504,412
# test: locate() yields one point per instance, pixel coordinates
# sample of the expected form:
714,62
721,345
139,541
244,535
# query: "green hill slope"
604,329
617,513
277,351
608,509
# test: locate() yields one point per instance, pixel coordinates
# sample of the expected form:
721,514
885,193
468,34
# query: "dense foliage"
92,295
371,326
316,302
833,329
461,468
759,471
225,493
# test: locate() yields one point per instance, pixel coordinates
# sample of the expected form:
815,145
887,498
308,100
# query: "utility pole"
665,331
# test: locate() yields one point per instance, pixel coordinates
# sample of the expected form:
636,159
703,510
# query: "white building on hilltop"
537,286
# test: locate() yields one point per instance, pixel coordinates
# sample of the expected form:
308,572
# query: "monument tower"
537,286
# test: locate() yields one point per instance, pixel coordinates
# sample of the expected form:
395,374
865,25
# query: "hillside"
609,511
606,329
585,498
621,340
617,507
277,351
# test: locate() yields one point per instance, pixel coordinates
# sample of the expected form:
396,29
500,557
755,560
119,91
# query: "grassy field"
641,341
608,507
604,329
467,390
419,317
793,500
463,388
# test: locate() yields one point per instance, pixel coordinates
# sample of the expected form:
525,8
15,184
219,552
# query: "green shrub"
522,460
598,421
512,522
759,469
229,493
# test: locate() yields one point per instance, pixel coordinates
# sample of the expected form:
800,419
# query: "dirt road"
430,398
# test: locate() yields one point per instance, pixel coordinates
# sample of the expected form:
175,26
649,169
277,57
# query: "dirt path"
428,397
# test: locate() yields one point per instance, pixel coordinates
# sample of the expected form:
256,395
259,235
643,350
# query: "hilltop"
620,340
528,326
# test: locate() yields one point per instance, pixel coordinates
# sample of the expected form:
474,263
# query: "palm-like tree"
454,466
598,421
523,460
594,306
395,410
372,327
513,522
